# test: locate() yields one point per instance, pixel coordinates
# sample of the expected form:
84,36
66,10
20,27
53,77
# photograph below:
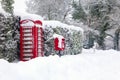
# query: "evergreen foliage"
7,5
78,11
100,9
100,12
97,18
8,42
73,40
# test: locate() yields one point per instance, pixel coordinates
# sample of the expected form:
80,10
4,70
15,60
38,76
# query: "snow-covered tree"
78,12
8,39
7,5
49,9
97,17
8,23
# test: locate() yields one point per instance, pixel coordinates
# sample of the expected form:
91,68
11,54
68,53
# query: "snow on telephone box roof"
26,15
31,19
27,23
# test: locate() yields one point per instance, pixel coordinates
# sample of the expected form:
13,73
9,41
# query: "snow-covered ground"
90,65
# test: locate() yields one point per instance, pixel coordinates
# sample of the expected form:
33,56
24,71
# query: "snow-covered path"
90,65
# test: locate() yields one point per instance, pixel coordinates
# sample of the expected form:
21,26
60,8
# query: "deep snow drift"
90,65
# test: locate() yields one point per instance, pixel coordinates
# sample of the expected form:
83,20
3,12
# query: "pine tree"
78,12
9,37
100,11
97,18
8,47
7,5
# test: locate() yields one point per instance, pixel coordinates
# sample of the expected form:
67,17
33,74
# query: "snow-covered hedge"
73,37
8,39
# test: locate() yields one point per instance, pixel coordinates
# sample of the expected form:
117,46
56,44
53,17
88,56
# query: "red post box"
59,43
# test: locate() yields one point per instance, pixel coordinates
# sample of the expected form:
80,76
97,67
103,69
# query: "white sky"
1,10
19,6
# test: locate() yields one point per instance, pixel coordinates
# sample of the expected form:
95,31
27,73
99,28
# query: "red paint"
42,42
56,44
33,39
21,45
35,52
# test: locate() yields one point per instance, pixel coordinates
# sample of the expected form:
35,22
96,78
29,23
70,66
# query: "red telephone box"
31,39
59,43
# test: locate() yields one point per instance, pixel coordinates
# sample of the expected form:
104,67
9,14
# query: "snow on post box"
59,42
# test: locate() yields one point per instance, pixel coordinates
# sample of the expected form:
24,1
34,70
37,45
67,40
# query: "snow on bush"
8,39
73,37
